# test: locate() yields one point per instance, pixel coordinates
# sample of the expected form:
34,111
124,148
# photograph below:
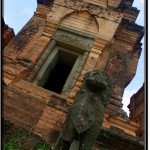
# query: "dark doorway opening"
60,69
58,77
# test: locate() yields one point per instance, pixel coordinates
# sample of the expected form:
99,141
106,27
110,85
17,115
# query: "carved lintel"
74,39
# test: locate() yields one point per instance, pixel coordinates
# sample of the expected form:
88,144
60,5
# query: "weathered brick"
43,111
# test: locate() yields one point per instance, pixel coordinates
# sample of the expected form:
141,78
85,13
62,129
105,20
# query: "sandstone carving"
93,9
74,39
85,116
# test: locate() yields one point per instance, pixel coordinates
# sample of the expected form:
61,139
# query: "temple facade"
45,63
136,108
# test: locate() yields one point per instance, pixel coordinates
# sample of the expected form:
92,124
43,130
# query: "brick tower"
45,63
7,34
136,108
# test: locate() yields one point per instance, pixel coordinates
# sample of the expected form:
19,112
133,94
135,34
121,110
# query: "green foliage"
10,145
43,147
14,144
16,138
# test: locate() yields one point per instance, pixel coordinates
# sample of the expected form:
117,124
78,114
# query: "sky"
17,13
139,78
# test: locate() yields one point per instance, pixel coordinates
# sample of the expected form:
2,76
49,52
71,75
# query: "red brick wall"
42,114
22,109
50,124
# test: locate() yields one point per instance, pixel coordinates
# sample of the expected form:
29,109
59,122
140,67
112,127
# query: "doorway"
59,74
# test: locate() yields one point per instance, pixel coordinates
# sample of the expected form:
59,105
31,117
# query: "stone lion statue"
85,116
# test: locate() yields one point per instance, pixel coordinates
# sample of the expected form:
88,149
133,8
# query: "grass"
16,138
10,145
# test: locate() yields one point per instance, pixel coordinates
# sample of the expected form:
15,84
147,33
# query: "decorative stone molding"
78,40
41,61
110,136
77,73
95,9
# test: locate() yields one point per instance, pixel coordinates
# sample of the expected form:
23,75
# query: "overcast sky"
18,12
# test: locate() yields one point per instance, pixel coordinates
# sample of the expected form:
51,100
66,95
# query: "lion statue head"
99,81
